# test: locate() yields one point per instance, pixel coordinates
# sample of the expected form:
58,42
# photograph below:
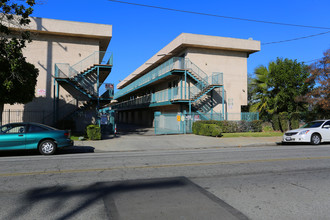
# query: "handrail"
214,79
160,96
64,70
179,63
98,57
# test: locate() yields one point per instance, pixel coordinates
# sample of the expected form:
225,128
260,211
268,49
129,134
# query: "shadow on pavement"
130,129
167,198
76,149
69,150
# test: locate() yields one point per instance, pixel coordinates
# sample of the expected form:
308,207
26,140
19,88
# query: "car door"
13,137
325,131
33,135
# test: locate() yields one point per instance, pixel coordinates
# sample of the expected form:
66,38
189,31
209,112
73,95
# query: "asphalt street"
270,182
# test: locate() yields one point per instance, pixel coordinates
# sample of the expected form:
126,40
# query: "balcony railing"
157,97
179,63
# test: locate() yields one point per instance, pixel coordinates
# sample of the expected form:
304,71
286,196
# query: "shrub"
284,121
294,120
210,130
267,127
276,122
243,126
256,125
228,126
196,127
93,132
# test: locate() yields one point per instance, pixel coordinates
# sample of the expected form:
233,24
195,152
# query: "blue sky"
140,32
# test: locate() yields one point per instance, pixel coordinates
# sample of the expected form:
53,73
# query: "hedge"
210,130
93,132
227,126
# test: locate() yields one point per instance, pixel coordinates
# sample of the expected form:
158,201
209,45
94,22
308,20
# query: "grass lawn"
76,138
253,134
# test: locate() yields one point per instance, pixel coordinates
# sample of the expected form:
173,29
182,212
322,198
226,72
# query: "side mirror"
326,126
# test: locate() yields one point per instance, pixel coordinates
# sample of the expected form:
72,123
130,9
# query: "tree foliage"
17,77
277,87
320,75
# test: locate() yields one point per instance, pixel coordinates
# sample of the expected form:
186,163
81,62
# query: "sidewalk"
136,142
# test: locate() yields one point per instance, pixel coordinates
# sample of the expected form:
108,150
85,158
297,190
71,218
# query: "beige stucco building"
193,73
67,43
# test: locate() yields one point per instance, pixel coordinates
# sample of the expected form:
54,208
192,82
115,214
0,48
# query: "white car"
313,132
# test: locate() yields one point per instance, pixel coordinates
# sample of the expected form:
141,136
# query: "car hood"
300,129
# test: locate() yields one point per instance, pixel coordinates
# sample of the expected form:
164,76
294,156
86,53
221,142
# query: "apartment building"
73,64
201,74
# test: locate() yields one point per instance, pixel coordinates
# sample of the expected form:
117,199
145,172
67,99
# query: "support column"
185,84
98,96
223,103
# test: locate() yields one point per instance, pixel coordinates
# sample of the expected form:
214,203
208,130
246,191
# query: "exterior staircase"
83,80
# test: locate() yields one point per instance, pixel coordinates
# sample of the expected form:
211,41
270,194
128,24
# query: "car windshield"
313,124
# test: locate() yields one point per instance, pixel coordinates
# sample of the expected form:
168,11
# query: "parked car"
21,136
313,132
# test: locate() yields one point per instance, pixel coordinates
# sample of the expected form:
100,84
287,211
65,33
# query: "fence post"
8,115
156,117
184,121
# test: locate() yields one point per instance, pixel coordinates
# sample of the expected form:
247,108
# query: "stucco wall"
232,64
44,52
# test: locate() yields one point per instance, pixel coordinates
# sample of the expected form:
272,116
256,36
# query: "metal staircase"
204,85
83,80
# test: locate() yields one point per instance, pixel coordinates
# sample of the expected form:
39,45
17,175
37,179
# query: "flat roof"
186,40
103,32
70,28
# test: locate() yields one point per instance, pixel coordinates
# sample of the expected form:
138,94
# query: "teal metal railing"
165,95
73,73
177,63
157,97
173,63
198,89
134,103
168,123
98,57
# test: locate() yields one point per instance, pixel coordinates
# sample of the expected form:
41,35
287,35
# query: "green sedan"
21,136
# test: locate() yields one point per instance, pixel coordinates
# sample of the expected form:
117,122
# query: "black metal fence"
12,116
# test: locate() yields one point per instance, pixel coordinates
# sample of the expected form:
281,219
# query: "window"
327,123
15,129
34,128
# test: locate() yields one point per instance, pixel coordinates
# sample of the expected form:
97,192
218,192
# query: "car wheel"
315,139
47,147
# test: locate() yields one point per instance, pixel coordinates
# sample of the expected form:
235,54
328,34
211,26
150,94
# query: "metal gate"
174,123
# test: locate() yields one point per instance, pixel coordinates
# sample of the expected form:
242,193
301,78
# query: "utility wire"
219,16
309,61
298,38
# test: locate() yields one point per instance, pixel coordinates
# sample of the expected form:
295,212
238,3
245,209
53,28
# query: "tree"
18,78
260,97
278,86
319,97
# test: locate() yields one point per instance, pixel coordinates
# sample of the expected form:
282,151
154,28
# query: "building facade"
63,51
194,73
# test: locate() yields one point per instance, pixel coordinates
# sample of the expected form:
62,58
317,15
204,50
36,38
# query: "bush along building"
194,77
73,66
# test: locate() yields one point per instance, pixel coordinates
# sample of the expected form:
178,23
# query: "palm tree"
260,97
